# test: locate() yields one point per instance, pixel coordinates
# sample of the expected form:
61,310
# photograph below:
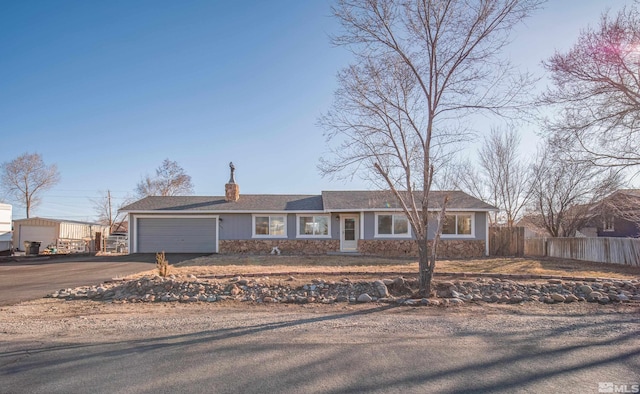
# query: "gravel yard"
222,334
97,321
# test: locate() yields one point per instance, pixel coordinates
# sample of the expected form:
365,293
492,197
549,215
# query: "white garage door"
177,235
44,234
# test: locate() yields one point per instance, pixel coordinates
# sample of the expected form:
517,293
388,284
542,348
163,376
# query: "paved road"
293,350
36,277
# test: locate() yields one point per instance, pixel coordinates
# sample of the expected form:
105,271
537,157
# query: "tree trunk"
425,268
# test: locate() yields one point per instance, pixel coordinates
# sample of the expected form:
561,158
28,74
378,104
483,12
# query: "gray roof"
247,202
370,200
36,218
329,201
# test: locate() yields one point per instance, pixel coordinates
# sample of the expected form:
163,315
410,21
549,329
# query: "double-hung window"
313,226
459,224
270,226
392,225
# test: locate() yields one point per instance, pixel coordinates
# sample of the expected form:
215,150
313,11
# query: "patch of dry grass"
242,265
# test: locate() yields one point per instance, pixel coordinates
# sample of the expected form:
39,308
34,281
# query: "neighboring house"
120,227
5,229
66,236
617,215
364,222
532,226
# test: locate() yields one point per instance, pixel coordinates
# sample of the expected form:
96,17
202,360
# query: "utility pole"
110,217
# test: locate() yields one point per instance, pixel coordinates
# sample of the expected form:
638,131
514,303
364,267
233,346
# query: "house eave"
214,212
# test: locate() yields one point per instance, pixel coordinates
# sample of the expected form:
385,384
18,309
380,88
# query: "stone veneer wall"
447,248
286,246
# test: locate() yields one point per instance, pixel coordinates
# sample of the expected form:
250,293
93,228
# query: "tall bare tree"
502,177
507,172
170,180
564,192
421,68
108,210
25,178
596,91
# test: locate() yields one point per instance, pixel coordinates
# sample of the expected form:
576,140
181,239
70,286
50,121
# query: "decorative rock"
149,289
585,289
571,298
604,300
381,288
516,299
455,301
594,296
364,298
622,297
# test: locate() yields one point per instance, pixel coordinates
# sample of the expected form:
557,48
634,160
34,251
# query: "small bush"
162,264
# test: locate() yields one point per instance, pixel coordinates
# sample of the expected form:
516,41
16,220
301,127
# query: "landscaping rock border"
397,290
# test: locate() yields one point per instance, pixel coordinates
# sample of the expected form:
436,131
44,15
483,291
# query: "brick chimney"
231,189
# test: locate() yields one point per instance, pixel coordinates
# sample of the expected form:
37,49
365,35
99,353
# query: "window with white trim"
269,226
458,224
392,225
313,226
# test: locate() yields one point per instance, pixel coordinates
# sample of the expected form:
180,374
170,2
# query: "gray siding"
369,229
335,226
291,226
236,226
176,235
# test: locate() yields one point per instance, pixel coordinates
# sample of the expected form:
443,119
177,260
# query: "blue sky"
108,89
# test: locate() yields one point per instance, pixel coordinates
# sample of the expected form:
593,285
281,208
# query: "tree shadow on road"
511,361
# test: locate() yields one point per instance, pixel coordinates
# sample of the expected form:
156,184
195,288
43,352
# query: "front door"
349,233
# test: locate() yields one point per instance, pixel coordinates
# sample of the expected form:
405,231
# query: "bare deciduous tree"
108,212
170,180
564,192
507,173
26,177
596,90
503,176
421,67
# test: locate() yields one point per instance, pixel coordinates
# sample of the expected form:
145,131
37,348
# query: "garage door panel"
177,235
44,234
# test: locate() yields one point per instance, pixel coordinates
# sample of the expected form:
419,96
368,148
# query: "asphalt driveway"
36,277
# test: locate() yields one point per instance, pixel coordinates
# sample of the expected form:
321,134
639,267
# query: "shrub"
162,264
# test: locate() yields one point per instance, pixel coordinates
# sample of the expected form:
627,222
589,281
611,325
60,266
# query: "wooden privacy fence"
506,241
603,250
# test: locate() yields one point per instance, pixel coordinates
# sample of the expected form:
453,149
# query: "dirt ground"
61,318
367,266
